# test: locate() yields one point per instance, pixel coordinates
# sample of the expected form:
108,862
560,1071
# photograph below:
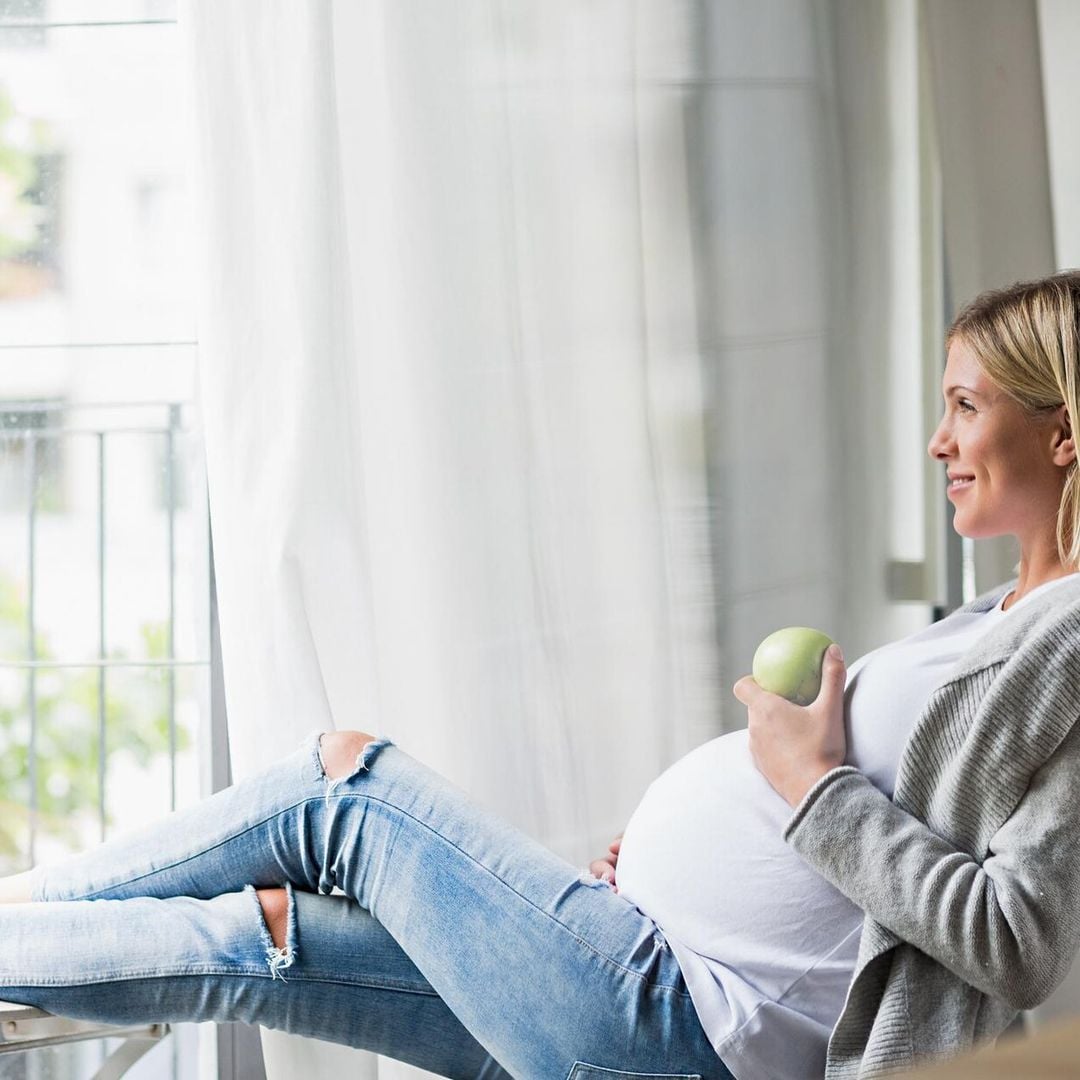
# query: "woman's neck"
1027,584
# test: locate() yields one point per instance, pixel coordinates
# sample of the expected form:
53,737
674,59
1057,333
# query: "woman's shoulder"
1034,643
1056,609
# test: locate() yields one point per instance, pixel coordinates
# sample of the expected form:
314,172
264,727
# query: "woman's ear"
1064,443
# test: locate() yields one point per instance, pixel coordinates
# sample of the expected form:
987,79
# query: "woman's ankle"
18,888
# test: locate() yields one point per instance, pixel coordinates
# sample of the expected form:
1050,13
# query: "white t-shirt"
766,945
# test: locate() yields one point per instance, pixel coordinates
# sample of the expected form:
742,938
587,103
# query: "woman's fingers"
603,869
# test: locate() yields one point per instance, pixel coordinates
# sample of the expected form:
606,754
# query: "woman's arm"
1010,926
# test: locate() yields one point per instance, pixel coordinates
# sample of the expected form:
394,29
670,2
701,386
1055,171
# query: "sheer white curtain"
448,468
526,379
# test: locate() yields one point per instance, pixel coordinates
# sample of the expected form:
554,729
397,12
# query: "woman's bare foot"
17,888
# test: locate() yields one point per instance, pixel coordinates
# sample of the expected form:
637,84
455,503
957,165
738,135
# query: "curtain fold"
530,397
454,432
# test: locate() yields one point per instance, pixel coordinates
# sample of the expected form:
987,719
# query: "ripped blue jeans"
461,945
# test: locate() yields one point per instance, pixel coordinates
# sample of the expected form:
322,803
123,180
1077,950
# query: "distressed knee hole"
278,916
275,909
342,752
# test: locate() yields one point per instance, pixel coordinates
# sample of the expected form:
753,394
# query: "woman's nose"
938,445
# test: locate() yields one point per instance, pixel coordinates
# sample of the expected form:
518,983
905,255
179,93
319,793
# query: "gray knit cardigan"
969,876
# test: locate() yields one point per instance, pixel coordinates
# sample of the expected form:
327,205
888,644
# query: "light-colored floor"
1050,1054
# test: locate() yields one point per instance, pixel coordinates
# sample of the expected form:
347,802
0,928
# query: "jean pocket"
584,1071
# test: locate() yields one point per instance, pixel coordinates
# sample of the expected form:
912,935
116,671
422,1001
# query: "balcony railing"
104,495
105,636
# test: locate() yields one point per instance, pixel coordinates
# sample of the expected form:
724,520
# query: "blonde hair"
1027,340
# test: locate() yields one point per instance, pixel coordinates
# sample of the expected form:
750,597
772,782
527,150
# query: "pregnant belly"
703,857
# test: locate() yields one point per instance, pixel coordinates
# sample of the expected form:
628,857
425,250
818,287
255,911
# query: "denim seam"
367,984
566,929
322,778
242,971
383,802
197,854
198,971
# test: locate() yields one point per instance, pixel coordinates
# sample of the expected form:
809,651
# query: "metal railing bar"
12,346
174,414
69,405
31,681
40,664
80,25
58,433
102,743
13,434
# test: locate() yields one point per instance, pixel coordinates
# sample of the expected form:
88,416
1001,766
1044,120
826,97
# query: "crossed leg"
540,966
145,960
350,960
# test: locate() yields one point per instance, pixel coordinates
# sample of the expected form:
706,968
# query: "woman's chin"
977,532
971,532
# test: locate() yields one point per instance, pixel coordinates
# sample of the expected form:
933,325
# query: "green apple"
788,662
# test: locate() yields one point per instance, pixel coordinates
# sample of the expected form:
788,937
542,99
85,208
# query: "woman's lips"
962,486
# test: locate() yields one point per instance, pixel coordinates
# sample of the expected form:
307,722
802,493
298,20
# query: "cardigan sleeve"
1009,926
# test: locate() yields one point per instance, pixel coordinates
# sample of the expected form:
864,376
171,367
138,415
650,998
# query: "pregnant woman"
884,876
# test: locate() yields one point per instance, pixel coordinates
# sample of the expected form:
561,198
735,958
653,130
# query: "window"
104,548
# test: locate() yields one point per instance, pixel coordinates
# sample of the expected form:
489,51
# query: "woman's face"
1015,485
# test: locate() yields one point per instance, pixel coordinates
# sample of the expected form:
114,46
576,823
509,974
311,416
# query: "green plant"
67,744
19,215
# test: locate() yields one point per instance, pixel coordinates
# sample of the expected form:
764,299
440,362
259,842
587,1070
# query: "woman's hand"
791,745
605,868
